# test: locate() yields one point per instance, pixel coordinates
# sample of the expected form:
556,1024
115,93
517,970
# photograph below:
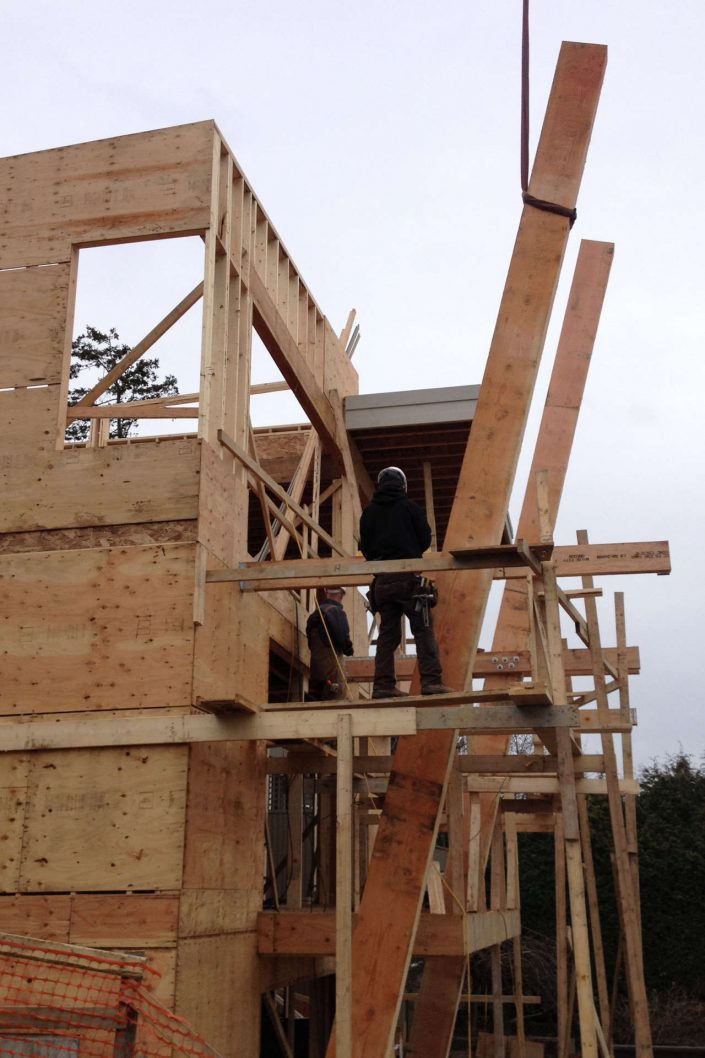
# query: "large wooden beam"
176,729
540,784
577,662
383,939
443,980
308,722
312,933
554,442
598,560
501,764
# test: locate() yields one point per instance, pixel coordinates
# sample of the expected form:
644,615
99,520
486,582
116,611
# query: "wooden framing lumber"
476,997
524,764
539,784
572,847
626,896
618,559
522,695
383,938
594,908
278,491
311,571
298,723
312,933
471,764
127,411
260,493
179,729
276,1024
627,754
561,937
552,452
268,387
517,663
285,724
599,560
295,491
343,887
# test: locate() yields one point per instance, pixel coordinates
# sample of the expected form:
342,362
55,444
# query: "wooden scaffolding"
154,591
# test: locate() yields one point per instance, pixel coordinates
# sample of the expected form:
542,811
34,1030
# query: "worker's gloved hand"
348,649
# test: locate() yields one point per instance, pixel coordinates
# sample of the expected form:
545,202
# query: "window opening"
271,407
123,293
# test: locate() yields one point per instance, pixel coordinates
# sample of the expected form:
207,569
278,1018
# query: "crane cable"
525,96
531,200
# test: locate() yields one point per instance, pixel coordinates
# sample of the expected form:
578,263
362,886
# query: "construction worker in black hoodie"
393,526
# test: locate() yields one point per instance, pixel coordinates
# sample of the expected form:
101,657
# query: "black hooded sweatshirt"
393,526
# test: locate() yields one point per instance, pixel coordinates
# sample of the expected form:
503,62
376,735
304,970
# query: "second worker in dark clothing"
393,526
328,634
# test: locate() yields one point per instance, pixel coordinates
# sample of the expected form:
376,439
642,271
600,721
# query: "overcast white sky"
383,141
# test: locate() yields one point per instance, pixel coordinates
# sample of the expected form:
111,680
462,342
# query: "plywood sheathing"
126,188
104,628
122,484
33,308
90,821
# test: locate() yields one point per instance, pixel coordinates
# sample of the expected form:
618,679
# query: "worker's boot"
436,688
391,692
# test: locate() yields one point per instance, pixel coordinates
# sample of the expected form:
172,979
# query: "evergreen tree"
671,841
671,823
95,353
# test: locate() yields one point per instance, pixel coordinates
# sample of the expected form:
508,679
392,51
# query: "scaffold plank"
313,932
599,560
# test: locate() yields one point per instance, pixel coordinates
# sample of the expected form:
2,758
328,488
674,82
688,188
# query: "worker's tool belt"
426,591
423,590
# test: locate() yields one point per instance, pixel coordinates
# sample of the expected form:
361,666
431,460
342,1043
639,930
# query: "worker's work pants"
394,601
326,681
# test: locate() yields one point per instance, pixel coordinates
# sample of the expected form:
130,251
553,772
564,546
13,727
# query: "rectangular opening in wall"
136,341
285,675
273,403
279,451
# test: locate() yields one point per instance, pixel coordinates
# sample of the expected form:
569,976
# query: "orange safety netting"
57,1001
